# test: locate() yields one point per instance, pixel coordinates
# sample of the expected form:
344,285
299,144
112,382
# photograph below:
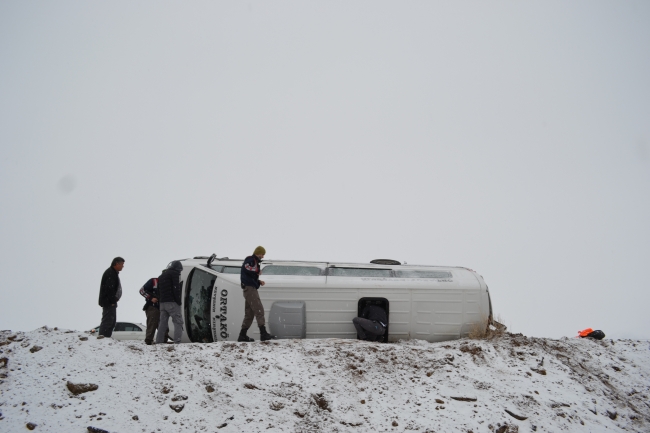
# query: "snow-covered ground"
576,385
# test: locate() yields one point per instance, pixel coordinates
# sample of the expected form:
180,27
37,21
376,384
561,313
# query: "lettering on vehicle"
215,332
223,308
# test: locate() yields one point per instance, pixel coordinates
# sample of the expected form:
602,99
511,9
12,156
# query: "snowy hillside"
507,384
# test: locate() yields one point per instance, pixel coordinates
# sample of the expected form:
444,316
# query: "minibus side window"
304,271
357,272
197,306
231,270
422,274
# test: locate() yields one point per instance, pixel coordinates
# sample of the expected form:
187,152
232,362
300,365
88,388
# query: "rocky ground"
65,381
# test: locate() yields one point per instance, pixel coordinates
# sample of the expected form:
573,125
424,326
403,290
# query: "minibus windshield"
197,306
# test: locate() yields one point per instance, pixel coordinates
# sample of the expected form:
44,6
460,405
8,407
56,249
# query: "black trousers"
109,317
367,329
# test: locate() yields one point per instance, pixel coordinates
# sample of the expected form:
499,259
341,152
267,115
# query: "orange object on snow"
585,332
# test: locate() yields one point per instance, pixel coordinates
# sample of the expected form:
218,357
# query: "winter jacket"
150,291
375,314
250,272
169,285
108,290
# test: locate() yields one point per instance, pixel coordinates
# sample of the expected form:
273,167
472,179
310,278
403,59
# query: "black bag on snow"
597,334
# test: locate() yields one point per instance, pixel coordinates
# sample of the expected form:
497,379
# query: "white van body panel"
431,309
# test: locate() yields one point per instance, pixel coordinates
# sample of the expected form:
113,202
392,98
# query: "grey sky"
508,137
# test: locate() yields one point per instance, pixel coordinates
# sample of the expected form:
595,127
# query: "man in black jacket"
110,291
250,283
372,323
169,290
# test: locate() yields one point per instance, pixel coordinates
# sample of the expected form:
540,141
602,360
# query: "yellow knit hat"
259,251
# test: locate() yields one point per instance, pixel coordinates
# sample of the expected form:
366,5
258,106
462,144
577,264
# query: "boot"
243,336
265,336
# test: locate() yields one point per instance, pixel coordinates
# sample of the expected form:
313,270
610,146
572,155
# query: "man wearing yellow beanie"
250,283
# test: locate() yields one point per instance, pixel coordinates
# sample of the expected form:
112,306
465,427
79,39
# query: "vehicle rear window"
423,274
357,272
305,271
126,327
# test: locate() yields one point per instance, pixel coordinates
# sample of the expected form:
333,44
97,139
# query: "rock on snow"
508,384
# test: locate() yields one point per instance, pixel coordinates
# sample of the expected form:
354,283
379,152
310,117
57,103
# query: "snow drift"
66,381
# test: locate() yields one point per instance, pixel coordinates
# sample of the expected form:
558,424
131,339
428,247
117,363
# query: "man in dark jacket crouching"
169,291
110,291
371,325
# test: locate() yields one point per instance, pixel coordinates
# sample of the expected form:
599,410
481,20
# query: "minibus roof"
238,262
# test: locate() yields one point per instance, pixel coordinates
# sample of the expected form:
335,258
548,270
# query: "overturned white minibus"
320,299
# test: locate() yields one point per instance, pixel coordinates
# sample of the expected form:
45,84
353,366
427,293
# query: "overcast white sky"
512,138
